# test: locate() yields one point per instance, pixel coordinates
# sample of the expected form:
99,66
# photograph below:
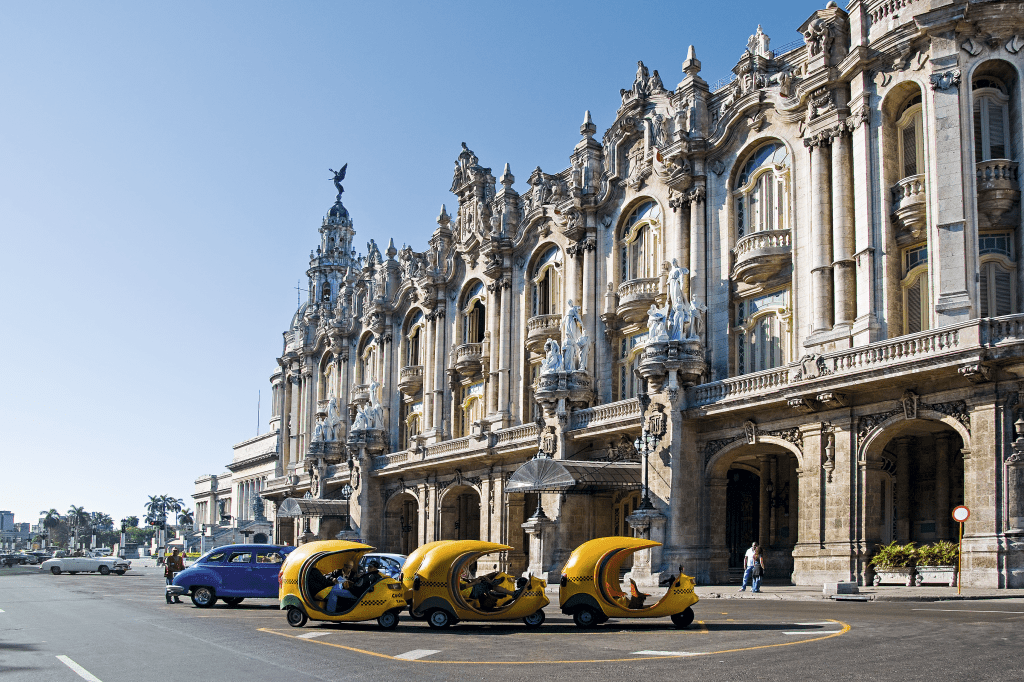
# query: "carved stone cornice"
818,140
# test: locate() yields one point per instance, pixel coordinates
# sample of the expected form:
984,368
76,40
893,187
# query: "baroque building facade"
782,307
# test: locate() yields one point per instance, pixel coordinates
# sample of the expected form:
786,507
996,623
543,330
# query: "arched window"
325,292
916,305
910,136
472,407
411,423
474,315
630,350
996,291
413,340
762,332
991,119
762,191
639,242
367,366
546,280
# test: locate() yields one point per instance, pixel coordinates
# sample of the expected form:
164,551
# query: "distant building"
801,281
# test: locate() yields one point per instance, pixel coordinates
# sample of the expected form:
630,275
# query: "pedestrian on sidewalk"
748,567
174,565
757,569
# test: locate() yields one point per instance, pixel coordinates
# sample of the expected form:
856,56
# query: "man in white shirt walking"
748,566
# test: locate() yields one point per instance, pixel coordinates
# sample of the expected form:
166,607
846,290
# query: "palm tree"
185,517
78,518
155,508
51,520
132,521
101,521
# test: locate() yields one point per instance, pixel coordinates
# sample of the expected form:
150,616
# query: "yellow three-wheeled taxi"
304,589
589,588
443,593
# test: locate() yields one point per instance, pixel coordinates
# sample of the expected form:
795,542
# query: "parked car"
86,564
10,560
390,564
40,554
232,573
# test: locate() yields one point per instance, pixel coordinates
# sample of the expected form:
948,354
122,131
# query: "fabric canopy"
295,507
559,475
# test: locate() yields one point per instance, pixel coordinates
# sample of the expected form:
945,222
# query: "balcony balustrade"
762,255
909,206
998,188
410,379
468,357
540,328
636,297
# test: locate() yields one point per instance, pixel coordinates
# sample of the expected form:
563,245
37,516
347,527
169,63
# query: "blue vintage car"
232,573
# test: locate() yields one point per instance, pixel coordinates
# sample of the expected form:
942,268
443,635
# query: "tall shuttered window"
762,332
996,291
916,309
991,120
911,139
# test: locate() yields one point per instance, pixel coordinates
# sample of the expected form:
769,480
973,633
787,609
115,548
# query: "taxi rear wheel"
683,620
104,570
296,618
535,619
388,620
438,619
204,597
584,617
55,570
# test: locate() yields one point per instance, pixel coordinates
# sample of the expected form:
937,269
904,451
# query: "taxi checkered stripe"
433,583
374,602
582,579
685,590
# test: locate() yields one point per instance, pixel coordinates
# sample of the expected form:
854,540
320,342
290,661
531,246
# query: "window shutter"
914,307
910,150
979,142
983,289
996,130
1004,292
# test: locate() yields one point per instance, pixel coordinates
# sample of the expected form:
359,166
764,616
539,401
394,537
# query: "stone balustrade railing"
448,447
903,348
880,10
909,190
740,387
632,287
762,240
411,372
602,414
523,433
997,169
390,460
469,351
543,322
997,331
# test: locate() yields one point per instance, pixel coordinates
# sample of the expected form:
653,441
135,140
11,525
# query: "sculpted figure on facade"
552,363
575,342
656,330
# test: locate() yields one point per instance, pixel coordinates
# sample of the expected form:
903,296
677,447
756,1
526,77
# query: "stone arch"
719,457
459,512
872,444
401,523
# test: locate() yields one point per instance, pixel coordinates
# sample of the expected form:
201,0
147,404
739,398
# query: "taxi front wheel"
296,618
388,620
683,620
438,619
585,617
535,619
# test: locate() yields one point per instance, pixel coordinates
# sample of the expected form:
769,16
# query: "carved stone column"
821,235
427,358
438,384
590,303
505,348
843,235
903,489
942,508
650,525
493,326
286,414
698,276
541,532
764,507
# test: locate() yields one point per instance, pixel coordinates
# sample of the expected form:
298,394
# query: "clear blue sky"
163,173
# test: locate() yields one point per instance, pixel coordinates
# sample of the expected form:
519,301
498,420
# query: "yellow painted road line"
846,628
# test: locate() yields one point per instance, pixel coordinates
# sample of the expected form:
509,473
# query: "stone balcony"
410,379
468,358
360,394
540,328
998,188
762,255
909,206
636,297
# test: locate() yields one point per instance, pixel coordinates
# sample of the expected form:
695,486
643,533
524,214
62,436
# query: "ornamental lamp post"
649,438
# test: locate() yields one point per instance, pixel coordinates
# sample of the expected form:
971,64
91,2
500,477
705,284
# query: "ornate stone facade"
798,285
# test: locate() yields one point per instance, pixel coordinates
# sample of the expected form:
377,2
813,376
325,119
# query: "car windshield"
212,556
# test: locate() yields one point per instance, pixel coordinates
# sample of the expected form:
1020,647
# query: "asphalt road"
109,628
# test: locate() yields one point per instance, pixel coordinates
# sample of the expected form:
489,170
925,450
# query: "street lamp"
649,438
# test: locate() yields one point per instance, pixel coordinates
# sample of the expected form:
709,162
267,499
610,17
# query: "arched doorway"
742,495
401,521
460,514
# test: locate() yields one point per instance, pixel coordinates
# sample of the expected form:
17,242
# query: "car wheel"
55,570
683,620
119,571
388,620
232,601
204,597
535,619
104,570
296,618
415,615
584,617
439,619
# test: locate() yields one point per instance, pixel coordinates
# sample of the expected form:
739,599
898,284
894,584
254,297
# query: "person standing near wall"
748,567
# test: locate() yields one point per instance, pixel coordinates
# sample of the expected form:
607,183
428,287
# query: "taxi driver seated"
350,585
487,590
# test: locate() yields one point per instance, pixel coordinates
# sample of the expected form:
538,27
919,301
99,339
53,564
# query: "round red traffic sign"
961,514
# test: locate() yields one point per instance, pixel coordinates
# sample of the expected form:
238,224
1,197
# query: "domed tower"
334,259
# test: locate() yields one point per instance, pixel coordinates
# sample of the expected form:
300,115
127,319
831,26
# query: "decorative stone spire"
443,219
588,128
507,178
691,67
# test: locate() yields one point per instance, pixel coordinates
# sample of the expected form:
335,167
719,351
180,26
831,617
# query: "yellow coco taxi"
305,590
444,592
589,587
411,565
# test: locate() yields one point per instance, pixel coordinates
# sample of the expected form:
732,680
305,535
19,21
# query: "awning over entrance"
565,476
296,507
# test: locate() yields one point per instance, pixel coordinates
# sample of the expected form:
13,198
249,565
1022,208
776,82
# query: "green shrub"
942,553
895,555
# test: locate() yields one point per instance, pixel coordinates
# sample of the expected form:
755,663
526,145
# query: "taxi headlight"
395,586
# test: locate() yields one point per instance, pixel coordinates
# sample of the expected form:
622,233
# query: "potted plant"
936,563
894,563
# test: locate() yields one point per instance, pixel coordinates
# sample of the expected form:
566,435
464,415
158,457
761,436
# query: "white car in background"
86,564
